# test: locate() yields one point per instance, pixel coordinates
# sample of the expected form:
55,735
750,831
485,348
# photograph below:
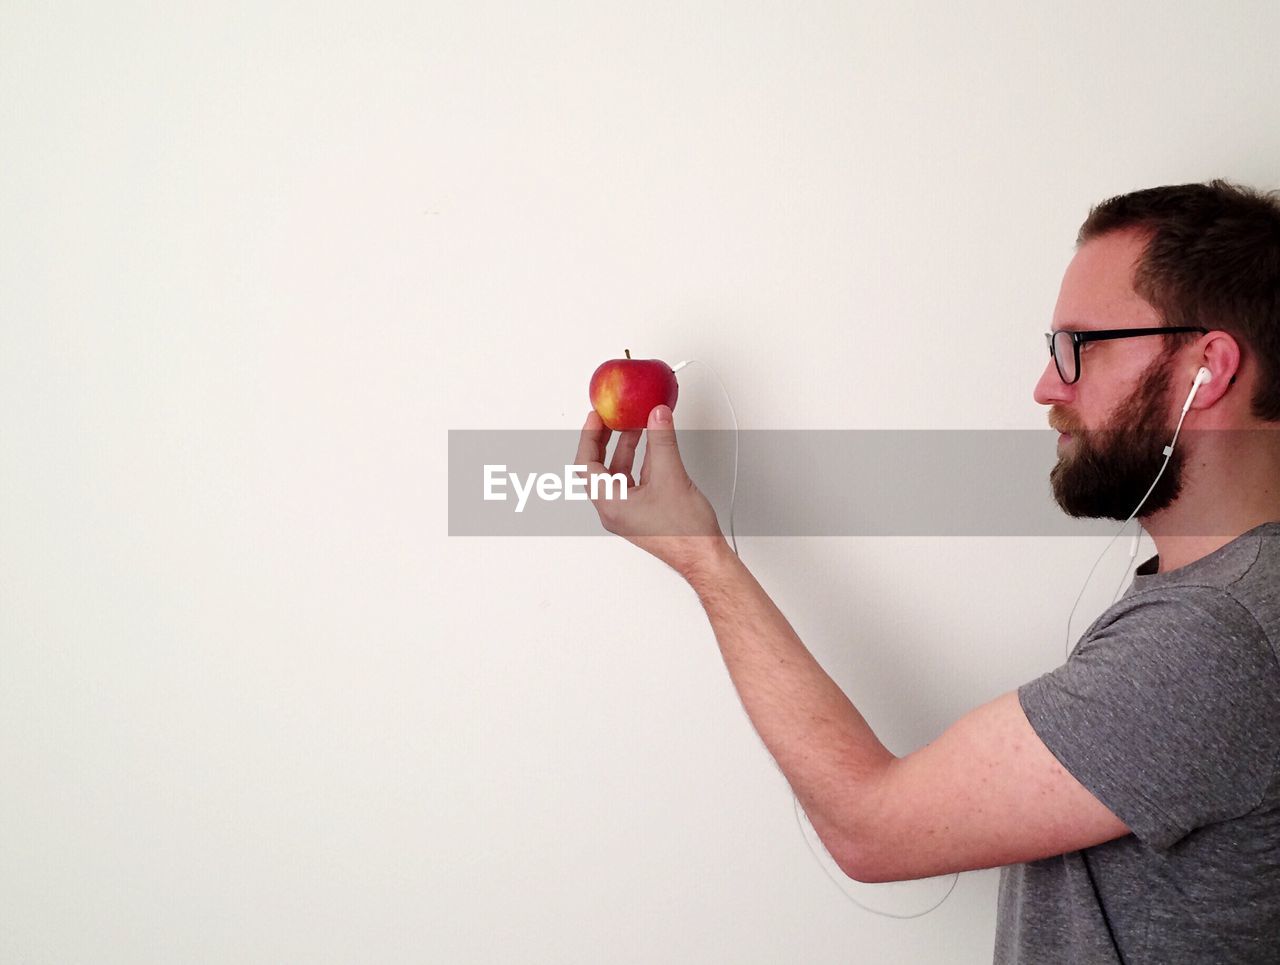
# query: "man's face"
1117,413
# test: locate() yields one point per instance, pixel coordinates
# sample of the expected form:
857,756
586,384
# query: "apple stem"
628,351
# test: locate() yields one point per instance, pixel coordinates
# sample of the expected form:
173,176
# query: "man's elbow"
881,865
855,872
864,859
868,874
856,845
853,863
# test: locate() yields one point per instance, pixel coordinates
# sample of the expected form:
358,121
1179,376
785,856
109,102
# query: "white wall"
255,704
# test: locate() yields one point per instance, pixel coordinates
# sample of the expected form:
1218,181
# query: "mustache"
1061,423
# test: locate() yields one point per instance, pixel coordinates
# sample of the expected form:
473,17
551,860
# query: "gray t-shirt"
1168,710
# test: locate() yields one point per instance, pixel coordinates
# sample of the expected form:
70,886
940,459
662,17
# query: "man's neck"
1212,510
1176,552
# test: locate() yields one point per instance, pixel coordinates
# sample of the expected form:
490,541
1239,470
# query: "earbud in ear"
1204,375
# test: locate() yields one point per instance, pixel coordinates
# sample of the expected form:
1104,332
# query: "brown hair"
1212,259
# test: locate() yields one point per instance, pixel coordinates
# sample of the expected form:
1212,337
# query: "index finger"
593,441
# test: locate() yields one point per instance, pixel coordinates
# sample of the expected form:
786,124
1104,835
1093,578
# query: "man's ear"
1222,352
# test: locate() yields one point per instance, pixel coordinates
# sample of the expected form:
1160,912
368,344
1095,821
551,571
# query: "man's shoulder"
1187,626
1242,566
1205,608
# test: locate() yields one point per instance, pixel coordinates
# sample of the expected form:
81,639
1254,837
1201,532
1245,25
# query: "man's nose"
1051,388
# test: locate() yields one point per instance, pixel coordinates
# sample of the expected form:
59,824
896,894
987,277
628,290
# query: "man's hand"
665,514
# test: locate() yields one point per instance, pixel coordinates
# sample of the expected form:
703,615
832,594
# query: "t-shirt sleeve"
1168,711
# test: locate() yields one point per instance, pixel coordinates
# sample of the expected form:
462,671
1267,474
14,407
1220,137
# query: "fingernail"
662,414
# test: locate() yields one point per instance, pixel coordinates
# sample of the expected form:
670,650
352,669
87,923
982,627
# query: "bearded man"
1131,797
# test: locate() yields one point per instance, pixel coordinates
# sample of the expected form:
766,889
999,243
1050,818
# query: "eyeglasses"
1064,346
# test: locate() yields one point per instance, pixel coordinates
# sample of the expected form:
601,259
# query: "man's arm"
986,793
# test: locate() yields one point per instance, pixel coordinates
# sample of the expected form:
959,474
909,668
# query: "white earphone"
1204,375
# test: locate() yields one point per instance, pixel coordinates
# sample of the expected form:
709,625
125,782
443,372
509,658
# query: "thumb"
661,450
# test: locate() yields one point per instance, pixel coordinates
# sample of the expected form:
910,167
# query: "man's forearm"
823,745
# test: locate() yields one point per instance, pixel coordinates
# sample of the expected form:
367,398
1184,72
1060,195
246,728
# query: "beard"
1104,473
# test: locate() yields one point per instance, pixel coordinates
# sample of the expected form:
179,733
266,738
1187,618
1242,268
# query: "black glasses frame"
1100,335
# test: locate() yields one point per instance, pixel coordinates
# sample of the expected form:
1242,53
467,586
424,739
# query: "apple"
625,391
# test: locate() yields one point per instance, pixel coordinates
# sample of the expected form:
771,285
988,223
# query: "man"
1133,794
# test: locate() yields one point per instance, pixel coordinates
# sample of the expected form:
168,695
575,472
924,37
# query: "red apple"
625,391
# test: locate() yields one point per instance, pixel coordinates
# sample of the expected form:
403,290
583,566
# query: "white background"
255,259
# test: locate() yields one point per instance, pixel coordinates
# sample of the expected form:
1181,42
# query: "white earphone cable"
801,817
